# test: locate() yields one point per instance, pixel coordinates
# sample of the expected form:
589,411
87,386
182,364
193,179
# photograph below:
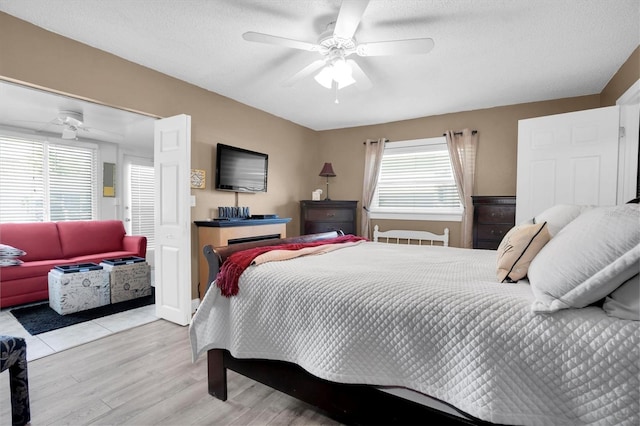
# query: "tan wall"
628,74
497,149
32,55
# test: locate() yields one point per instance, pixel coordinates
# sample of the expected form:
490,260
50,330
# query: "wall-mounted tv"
240,170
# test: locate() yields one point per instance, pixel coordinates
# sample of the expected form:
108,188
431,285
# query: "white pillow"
559,216
9,261
625,301
7,251
588,259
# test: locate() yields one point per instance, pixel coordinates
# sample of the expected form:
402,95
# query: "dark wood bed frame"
347,403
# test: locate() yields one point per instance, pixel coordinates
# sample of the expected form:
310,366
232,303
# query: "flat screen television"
240,170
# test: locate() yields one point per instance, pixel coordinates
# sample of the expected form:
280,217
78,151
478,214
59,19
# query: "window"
141,179
416,182
46,181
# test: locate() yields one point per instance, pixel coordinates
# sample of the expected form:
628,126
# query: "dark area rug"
41,318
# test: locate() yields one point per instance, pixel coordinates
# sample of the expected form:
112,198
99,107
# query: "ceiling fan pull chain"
335,88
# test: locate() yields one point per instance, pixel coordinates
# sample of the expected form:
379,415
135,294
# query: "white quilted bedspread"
432,319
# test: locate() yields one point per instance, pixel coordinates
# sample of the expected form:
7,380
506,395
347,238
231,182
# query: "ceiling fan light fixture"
325,76
339,71
342,73
69,132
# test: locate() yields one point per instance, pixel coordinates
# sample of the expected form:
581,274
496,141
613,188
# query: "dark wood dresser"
493,217
328,215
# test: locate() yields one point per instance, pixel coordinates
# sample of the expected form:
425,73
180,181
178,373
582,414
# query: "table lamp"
327,171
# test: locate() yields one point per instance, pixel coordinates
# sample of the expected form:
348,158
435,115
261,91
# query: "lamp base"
327,197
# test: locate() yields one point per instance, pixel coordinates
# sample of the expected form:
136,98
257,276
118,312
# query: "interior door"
172,163
567,158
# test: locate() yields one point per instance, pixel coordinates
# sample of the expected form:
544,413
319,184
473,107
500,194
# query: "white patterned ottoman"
129,278
74,288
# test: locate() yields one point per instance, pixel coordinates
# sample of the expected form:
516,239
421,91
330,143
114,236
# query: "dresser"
493,217
327,215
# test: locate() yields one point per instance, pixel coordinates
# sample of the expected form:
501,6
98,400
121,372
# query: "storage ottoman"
129,278
74,288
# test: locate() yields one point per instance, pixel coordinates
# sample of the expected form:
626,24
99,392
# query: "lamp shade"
327,170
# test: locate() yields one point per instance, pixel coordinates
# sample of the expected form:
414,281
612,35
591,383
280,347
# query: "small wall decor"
198,179
108,180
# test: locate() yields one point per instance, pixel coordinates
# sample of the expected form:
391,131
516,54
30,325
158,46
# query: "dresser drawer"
495,214
329,214
318,227
492,232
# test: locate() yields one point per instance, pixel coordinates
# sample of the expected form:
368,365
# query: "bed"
422,334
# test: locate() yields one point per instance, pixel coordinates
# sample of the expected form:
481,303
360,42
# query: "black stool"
13,356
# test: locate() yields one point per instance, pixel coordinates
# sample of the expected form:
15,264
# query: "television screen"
241,170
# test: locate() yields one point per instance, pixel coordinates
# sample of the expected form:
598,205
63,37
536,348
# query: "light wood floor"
144,376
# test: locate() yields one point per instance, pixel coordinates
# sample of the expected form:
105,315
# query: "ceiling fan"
71,121
336,44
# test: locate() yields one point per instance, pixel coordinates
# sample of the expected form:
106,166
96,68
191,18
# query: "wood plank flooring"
144,376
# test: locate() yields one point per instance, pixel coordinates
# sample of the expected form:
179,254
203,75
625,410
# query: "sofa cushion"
40,239
79,238
97,258
37,268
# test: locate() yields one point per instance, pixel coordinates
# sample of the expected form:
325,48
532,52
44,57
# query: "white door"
628,179
567,158
139,196
172,163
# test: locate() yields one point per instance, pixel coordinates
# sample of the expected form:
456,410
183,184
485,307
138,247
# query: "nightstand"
327,215
493,217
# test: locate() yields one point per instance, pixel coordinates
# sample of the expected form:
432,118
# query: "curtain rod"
473,132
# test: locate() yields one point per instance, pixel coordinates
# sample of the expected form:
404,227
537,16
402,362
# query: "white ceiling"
487,52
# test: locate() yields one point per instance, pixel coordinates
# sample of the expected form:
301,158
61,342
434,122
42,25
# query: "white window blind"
72,173
22,194
416,180
142,199
42,181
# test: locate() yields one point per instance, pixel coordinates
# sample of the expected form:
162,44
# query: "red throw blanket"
234,266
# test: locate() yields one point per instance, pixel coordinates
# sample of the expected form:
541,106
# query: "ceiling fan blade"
396,47
362,81
349,18
280,41
304,72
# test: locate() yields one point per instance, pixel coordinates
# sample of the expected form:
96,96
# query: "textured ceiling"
487,52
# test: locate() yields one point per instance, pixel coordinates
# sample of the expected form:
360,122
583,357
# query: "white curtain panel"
462,150
373,157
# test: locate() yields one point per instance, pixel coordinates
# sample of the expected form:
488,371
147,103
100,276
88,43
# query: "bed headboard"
217,255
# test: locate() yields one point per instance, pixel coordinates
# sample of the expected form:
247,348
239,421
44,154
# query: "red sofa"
50,244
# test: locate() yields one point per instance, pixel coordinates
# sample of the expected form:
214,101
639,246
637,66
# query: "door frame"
629,104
